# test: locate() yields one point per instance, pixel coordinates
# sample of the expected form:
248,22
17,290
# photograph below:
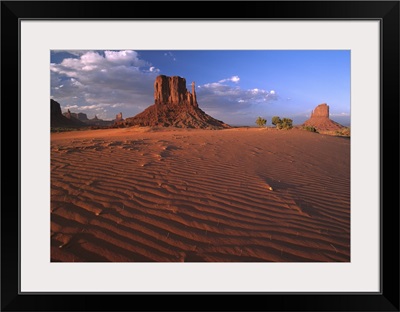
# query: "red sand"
141,194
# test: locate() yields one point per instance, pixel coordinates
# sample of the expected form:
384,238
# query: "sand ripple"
199,195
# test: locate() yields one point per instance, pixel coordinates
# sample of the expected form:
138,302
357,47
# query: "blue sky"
235,86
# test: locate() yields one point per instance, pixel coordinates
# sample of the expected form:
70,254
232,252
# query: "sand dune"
142,194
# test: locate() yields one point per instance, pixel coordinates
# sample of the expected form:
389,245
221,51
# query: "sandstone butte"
174,106
320,119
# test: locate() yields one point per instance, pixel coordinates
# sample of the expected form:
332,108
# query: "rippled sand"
142,194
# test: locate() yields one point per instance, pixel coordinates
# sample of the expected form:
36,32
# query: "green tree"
276,120
284,123
261,122
287,123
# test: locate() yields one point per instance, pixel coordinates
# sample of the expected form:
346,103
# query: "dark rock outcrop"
58,120
55,109
174,106
320,119
81,117
95,121
73,120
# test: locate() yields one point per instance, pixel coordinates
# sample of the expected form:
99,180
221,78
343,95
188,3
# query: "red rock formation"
322,110
174,106
118,117
320,119
68,114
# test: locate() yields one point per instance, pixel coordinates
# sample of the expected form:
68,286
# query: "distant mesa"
74,120
118,117
79,116
320,119
59,120
174,106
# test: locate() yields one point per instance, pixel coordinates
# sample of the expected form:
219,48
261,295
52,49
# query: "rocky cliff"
320,119
174,106
58,120
79,116
322,110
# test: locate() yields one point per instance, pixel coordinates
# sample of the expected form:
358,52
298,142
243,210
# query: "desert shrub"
276,120
261,122
286,123
343,132
310,128
60,129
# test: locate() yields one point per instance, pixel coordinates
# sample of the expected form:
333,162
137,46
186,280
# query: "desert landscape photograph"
200,156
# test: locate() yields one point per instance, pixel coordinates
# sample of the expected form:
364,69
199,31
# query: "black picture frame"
386,11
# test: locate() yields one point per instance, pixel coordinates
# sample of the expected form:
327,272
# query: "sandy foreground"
171,195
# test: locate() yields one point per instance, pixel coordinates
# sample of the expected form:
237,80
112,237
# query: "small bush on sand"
343,132
310,128
261,122
287,123
284,123
276,121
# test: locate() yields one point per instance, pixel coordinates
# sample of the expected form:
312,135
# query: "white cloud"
235,79
127,57
222,98
69,106
154,70
91,107
117,105
94,81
